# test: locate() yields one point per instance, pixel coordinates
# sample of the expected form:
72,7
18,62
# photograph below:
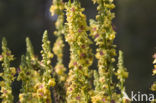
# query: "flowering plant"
42,83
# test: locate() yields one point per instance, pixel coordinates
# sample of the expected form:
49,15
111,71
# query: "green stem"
122,89
109,83
69,2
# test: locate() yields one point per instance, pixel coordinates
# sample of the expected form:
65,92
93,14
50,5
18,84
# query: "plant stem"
70,2
106,47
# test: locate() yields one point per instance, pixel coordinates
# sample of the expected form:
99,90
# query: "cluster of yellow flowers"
153,87
122,75
102,32
36,76
27,75
154,62
60,75
81,56
41,82
44,94
57,7
8,74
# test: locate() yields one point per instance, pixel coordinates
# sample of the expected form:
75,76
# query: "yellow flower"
48,62
154,61
50,55
126,100
1,57
52,82
62,78
21,97
125,74
1,74
13,70
122,73
96,99
112,37
56,7
59,71
52,10
154,71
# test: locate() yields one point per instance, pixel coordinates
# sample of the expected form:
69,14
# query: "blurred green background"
135,25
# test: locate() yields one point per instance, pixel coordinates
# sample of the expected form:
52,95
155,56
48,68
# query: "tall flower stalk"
28,75
57,9
103,34
7,75
78,86
153,87
42,88
60,75
154,72
122,74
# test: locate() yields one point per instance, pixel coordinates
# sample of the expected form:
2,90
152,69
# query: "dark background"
135,25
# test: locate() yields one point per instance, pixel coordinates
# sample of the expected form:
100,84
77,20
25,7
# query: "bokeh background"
135,24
